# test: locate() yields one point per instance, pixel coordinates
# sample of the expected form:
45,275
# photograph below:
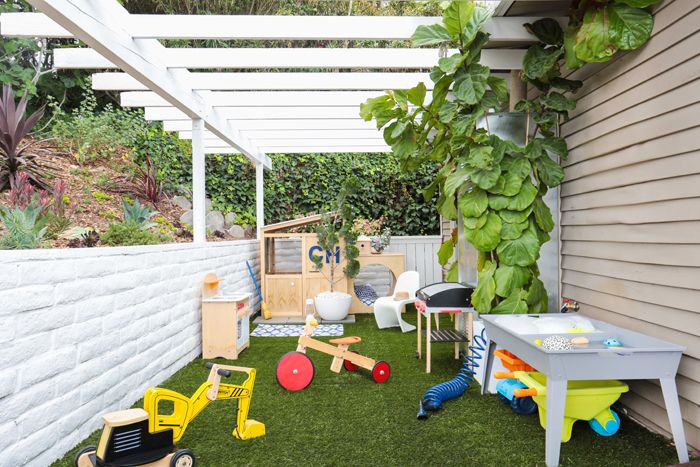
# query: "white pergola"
247,112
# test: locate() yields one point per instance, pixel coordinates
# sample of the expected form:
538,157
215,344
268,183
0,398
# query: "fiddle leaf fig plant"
495,185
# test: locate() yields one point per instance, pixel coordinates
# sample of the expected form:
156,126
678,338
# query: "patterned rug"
293,330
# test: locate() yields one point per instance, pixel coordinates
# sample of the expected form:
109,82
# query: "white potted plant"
333,230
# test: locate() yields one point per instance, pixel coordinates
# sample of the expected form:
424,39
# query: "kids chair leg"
337,363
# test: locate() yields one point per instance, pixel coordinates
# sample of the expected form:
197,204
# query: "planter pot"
333,306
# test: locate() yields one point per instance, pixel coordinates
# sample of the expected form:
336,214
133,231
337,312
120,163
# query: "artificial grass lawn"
347,419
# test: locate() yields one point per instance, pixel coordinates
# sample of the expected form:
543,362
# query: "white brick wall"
87,331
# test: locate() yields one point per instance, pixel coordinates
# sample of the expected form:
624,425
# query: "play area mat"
292,330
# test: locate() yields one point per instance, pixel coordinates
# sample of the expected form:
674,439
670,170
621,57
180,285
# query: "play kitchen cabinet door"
283,294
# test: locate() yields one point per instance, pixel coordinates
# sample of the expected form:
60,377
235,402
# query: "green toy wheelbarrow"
585,400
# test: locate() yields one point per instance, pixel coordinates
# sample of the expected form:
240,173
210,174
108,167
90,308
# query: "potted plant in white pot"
337,237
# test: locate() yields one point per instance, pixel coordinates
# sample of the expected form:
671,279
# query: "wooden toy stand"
287,285
225,321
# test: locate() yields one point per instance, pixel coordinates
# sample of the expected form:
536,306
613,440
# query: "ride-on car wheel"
182,458
295,371
350,366
82,457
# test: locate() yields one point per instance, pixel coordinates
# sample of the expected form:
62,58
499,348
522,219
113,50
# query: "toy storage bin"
585,400
225,325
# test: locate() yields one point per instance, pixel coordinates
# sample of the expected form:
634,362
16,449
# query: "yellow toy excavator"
146,437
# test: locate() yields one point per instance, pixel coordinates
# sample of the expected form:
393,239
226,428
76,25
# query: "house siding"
630,202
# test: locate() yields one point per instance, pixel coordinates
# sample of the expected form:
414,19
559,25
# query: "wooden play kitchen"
225,321
610,353
288,280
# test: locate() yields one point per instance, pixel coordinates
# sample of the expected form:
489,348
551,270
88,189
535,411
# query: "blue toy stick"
252,276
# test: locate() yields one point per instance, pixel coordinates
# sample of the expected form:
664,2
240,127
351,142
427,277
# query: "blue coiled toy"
436,395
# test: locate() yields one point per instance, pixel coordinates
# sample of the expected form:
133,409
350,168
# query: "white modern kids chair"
387,310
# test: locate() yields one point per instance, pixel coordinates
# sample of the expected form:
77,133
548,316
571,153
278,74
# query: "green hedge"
300,184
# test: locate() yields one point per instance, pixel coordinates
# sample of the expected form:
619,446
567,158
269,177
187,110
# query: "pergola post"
199,210
259,198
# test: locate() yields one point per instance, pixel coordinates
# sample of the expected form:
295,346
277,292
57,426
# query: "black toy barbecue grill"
443,297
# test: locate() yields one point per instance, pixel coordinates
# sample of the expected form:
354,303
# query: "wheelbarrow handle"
504,375
525,392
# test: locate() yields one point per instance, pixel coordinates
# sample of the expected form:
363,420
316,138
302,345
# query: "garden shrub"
128,233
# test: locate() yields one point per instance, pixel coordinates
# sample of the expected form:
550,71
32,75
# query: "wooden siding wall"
630,203
421,255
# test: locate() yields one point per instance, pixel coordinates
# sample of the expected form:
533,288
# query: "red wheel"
350,366
381,372
295,371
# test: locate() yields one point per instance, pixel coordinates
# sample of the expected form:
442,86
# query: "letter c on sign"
313,250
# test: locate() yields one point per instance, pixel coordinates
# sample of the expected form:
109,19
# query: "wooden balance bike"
145,437
295,370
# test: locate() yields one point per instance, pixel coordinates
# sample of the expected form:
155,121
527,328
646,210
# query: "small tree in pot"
336,229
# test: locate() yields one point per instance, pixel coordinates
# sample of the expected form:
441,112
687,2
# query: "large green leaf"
524,198
446,251
455,180
448,111
539,61
473,203
569,85
430,35
380,108
557,101
556,145
476,222
416,95
456,15
471,34
513,231
514,304
480,157
446,207
543,216
630,27
499,86
593,43
537,296
572,61
485,290
486,178
520,167
470,86
522,251
497,189
547,30
453,273
515,217
498,202
488,236
450,64
509,278
549,171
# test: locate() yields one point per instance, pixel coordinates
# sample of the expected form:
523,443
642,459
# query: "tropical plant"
336,228
22,194
139,215
496,186
24,227
128,233
150,188
14,127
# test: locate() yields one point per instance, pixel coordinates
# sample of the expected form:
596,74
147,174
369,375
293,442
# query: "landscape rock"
207,204
186,218
229,219
249,232
236,231
215,221
182,202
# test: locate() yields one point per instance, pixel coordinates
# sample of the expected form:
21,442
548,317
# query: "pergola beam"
230,27
260,113
311,124
94,23
249,58
307,149
287,134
